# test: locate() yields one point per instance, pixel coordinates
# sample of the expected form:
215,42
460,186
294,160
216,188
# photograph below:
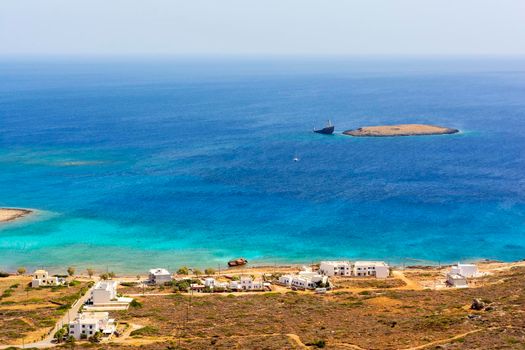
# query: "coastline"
12,214
260,267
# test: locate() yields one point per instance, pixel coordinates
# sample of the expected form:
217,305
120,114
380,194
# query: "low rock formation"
477,304
400,130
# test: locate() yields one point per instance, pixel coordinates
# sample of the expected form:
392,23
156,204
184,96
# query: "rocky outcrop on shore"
400,130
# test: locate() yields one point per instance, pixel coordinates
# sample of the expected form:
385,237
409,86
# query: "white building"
42,278
209,282
303,283
303,280
455,280
159,276
104,297
378,269
466,270
88,323
235,285
248,283
219,284
335,268
212,283
104,292
286,280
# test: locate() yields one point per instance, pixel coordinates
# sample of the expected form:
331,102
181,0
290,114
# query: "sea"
132,163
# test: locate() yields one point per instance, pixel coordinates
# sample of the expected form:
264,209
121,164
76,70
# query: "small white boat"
295,159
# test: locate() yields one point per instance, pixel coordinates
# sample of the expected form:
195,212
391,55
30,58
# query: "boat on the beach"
327,130
237,262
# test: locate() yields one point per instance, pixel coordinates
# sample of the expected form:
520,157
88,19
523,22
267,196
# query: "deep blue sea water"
138,163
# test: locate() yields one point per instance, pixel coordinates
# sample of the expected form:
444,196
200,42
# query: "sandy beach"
11,214
400,130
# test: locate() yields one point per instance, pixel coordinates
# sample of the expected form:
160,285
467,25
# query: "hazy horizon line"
259,56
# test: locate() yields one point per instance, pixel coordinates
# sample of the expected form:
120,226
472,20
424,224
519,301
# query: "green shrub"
145,331
135,303
439,322
183,271
7,293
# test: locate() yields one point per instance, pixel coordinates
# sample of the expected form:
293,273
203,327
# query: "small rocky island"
400,130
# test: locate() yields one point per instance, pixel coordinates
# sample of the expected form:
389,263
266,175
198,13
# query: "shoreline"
13,214
256,268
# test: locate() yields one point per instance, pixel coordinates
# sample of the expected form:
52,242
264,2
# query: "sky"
265,27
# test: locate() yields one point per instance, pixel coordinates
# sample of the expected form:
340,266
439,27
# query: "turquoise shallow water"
134,164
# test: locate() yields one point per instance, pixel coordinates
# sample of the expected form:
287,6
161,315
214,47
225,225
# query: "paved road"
70,315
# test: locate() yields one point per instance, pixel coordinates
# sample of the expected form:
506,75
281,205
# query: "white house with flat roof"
209,282
303,280
159,276
212,283
466,270
88,323
104,292
235,285
378,269
248,283
456,280
335,268
286,280
41,278
104,297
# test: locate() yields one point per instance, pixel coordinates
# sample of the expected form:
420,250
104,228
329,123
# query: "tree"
90,272
183,271
95,338
104,276
209,271
197,272
71,271
59,335
71,341
21,270
111,275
